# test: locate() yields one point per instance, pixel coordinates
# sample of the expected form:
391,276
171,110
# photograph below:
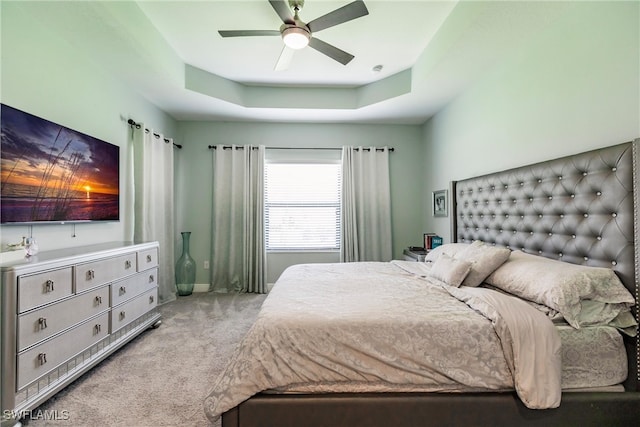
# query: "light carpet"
161,377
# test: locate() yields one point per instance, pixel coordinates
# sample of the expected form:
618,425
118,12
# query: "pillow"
625,323
450,270
549,312
600,313
484,260
564,287
449,248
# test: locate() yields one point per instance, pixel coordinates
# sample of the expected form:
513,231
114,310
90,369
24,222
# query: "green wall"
194,175
49,74
572,88
43,74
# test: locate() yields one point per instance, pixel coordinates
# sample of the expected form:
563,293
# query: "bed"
349,367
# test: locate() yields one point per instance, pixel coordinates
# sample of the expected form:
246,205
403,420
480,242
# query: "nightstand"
417,256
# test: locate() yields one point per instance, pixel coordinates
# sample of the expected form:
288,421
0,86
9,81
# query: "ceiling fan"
296,34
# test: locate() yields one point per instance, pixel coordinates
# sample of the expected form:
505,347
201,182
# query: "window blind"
302,206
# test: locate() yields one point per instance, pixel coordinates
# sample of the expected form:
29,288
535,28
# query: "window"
302,206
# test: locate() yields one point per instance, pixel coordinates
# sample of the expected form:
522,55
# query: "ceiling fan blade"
282,9
245,33
345,13
331,51
285,58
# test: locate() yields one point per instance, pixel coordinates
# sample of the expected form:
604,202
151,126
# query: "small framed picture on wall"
440,203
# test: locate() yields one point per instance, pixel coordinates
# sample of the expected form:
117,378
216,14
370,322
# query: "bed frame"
580,209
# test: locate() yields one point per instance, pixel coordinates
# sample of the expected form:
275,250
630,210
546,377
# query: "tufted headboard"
578,209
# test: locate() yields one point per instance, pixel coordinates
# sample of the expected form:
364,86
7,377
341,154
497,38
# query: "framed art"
54,174
440,203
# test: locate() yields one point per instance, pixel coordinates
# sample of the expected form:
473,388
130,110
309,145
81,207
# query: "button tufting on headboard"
586,198
577,209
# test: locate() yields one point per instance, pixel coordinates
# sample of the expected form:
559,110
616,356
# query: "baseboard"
204,287
201,287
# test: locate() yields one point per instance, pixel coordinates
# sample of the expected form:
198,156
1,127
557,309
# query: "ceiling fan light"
295,37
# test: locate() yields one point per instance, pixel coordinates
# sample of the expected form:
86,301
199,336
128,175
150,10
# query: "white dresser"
64,311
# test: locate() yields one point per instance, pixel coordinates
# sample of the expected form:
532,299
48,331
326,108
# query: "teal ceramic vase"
185,268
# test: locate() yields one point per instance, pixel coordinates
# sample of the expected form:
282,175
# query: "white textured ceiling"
385,36
172,54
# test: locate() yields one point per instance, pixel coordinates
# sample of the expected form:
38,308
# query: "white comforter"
379,327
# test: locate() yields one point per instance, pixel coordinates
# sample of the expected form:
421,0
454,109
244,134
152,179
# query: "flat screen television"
53,174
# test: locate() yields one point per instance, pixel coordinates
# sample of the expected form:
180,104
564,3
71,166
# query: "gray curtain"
238,253
366,205
153,202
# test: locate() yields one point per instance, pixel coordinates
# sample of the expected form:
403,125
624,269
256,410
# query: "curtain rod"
137,125
240,147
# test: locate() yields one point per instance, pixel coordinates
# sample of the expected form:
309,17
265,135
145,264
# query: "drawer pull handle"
91,274
122,315
98,299
42,323
97,329
151,278
151,299
42,358
123,290
127,264
48,286
148,258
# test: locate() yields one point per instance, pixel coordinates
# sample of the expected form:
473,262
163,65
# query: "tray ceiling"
171,52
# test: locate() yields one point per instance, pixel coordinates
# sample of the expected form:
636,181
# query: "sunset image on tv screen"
51,173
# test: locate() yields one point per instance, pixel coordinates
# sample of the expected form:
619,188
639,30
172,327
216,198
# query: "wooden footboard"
431,409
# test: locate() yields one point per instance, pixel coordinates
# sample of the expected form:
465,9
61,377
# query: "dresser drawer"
130,287
131,310
92,274
45,322
50,354
147,259
42,288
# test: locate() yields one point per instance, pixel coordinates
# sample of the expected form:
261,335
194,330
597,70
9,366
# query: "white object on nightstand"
417,256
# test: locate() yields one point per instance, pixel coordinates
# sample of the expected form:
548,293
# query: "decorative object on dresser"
64,311
185,268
